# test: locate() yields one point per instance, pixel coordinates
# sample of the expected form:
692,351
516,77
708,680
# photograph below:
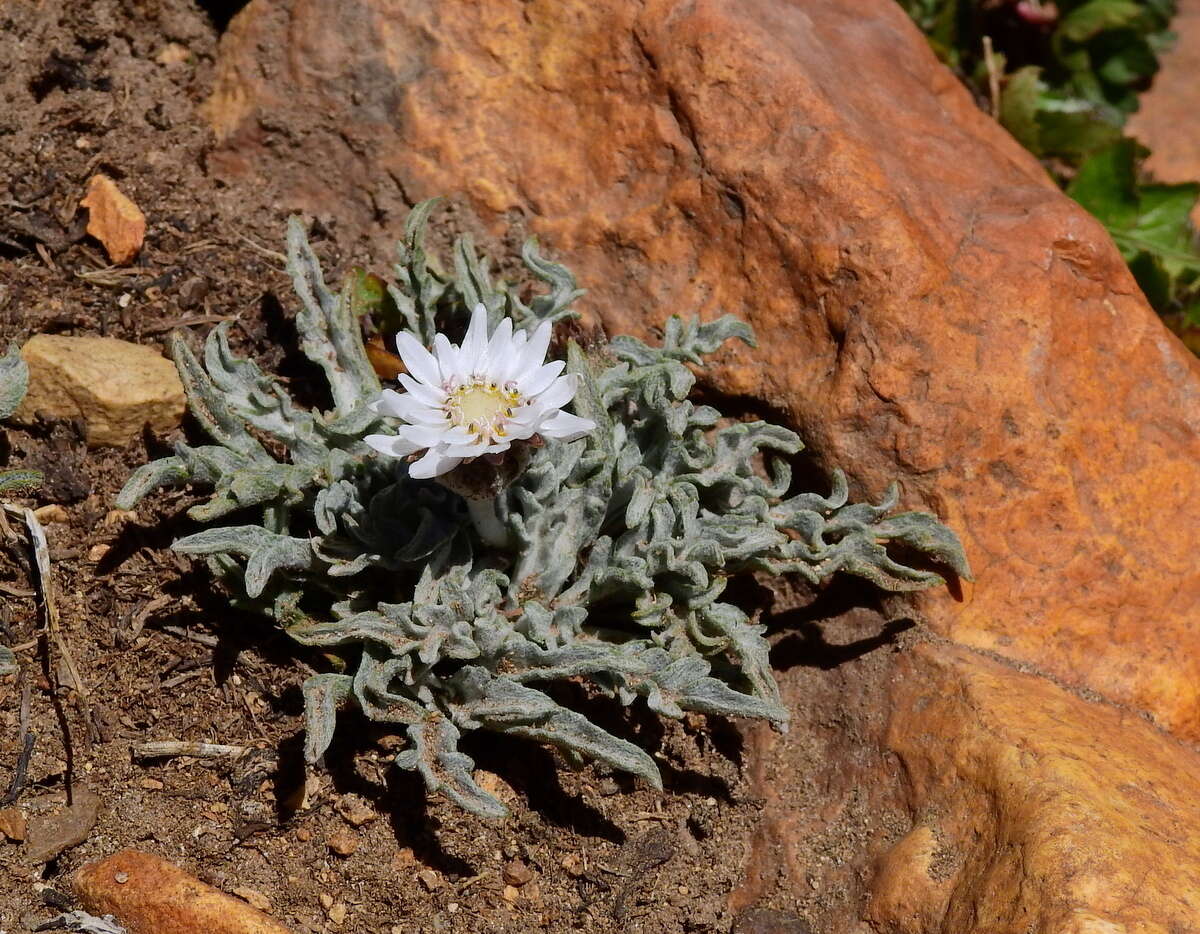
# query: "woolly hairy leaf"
14,381
435,755
621,546
324,695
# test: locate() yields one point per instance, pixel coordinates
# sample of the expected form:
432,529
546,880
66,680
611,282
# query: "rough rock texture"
1037,811
149,895
928,305
114,387
49,835
1169,119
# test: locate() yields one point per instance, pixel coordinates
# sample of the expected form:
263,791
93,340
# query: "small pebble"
12,825
343,842
326,900
48,515
253,897
355,810
573,865
430,879
511,893
517,873
303,834
337,912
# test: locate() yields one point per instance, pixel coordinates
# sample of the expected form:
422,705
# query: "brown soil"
92,87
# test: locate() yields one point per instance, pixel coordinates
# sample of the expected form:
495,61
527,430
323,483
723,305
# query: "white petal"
540,379
520,431
417,359
501,342
559,393
474,449
474,345
527,416
564,426
534,352
383,405
430,395
433,464
427,436
448,359
391,445
412,409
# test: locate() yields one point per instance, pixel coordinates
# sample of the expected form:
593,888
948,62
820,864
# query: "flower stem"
489,527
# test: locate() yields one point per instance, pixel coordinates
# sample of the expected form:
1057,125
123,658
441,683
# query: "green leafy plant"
1149,222
1063,77
617,547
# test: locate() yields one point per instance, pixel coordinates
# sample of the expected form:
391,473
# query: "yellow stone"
113,387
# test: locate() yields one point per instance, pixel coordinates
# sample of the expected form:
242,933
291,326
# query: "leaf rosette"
619,543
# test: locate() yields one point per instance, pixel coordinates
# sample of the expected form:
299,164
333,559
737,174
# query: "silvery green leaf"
923,533
379,688
474,281
683,684
554,305
745,642
209,407
258,398
324,696
388,632
8,661
14,381
266,551
168,471
508,707
329,333
435,754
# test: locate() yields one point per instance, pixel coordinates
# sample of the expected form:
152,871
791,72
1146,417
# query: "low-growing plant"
14,383
455,603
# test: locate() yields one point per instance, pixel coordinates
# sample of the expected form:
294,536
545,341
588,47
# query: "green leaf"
1106,186
1097,16
1019,104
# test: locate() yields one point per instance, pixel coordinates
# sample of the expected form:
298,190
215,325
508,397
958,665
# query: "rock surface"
152,896
114,387
114,220
928,305
1036,810
1169,119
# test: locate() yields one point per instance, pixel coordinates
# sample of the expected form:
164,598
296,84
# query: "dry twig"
168,748
993,72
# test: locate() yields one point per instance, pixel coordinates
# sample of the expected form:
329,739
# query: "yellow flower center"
482,407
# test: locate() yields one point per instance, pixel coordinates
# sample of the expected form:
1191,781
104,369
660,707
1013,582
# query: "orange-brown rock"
1168,120
928,305
149,895
1036,810
114,220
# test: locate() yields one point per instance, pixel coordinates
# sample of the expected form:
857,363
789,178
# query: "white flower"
477,398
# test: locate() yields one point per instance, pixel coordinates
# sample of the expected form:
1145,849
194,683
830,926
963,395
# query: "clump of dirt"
115,87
